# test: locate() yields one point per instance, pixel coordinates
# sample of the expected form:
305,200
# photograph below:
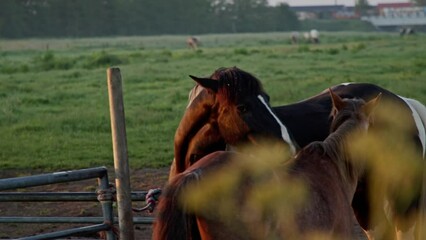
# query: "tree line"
92,18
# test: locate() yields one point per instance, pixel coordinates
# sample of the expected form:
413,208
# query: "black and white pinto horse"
303,123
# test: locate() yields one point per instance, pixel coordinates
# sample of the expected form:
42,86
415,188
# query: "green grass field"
54,110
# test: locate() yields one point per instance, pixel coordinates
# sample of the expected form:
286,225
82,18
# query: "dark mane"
234,83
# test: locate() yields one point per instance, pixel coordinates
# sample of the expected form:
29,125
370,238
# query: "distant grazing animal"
406,31
193,42
305,122
294,37
314,36
311,36
324,167
307,37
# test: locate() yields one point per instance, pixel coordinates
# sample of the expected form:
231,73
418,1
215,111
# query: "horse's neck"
315,166
306,121
336,147
331,157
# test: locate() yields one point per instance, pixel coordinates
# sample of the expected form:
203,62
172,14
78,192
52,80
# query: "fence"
104,194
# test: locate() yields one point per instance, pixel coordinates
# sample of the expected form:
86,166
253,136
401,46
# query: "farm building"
324,12
393,16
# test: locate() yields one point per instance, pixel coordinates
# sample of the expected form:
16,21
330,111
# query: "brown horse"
325,167
236,112
308,121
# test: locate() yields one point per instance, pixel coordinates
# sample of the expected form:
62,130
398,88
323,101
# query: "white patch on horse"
419,116
284,132
342,84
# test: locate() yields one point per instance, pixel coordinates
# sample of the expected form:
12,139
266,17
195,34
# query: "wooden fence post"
121,163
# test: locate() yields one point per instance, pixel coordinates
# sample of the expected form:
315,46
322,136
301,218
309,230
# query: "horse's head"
229,107
196,135
241,107
355,109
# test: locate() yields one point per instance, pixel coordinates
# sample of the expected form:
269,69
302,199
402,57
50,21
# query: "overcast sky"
330,2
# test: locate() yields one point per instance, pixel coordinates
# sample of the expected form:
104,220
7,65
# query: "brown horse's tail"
173,222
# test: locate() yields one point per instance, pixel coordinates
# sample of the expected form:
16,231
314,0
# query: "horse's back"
309,120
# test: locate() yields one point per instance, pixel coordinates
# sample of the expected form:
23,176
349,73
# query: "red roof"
395,5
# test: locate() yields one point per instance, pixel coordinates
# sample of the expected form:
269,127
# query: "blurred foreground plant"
394,169
253,194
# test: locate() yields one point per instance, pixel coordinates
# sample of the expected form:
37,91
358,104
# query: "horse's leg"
373,222
361,206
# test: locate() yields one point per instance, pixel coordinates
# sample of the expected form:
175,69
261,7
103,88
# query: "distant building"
384,16
347,13
324,12
384,8
393,16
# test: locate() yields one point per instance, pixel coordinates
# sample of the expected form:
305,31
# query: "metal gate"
104,194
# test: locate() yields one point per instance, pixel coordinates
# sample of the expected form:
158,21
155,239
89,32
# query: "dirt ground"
143,179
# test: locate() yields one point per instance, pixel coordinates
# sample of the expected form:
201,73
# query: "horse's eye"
242,108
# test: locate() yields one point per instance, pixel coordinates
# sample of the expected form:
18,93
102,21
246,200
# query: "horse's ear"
207,83
338,103
371,105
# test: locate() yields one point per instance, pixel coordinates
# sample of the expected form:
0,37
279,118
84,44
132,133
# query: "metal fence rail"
139,220
63,197
59,196
104,196
51,178
70,232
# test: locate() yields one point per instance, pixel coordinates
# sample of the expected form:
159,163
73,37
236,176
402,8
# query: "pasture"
54,103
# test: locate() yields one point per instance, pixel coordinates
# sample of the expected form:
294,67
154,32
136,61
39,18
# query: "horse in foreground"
309,121
325,168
